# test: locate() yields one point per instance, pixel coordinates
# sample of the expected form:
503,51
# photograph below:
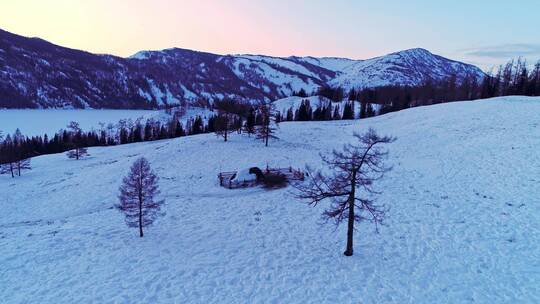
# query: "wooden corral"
227,179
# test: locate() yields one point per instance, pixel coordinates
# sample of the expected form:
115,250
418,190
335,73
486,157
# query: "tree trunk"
140,203
140,220
19,168
267,135
11,169
350,224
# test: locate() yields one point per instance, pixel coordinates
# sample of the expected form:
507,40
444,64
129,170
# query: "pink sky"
357,29
123,27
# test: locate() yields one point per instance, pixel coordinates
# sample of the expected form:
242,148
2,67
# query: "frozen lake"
38,122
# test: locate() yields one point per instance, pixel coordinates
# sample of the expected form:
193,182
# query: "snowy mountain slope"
410,67
463,226
330,63
270,77
37,74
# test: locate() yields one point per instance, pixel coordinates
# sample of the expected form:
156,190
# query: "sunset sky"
478,31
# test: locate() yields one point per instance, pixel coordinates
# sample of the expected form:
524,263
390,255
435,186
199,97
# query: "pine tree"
197,126
290,114
267,128
137,196
304,111
348,110
249,125
336,115
7,157
179,130
223,125
353,95
148,130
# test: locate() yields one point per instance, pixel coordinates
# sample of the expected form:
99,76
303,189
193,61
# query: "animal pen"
228,179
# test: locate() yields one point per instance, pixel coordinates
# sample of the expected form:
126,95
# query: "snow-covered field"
463,226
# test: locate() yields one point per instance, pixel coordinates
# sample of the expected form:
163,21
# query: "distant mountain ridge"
35,73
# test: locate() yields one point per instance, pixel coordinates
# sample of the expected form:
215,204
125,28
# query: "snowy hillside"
37,74
463,226
410,67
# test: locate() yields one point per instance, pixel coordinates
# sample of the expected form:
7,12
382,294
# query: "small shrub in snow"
275,180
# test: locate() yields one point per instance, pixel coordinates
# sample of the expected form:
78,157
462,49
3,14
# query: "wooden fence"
226,179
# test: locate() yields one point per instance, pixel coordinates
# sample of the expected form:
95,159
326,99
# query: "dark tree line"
514,78
233,116
14,154
326,111
16,150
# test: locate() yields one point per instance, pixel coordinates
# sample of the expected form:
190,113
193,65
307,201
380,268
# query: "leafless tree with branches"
267,127
75,133
349,183
137,196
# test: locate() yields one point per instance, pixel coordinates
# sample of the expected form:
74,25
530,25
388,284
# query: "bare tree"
137,196
14,157
22,164
267,127
349,184
7,156
223,125
75,132
77,153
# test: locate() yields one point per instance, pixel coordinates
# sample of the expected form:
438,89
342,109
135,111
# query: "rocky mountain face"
37,74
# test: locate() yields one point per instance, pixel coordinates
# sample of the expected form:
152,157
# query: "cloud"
504,51
490,57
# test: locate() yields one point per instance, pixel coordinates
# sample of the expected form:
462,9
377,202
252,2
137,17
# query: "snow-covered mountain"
463,223
411,67
36,73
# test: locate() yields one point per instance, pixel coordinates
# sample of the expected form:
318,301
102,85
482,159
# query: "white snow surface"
330,63
399,68
243,175
463,225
